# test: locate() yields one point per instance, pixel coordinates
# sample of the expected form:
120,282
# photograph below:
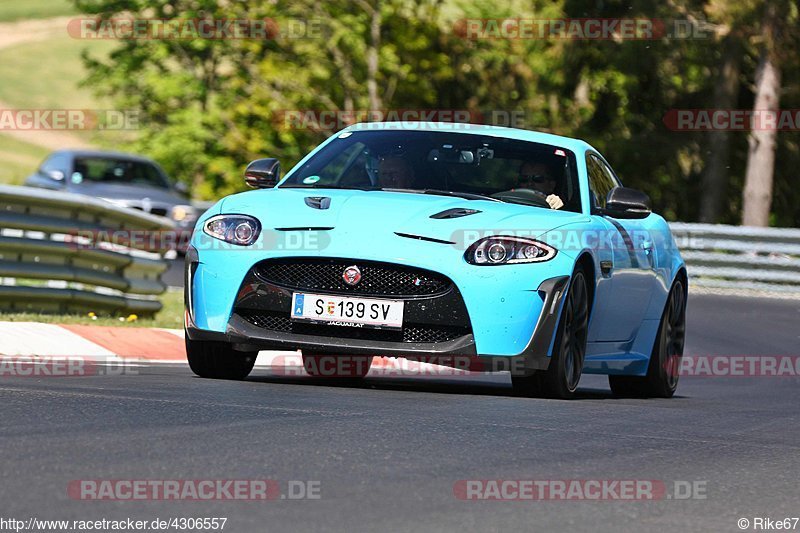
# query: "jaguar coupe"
498,249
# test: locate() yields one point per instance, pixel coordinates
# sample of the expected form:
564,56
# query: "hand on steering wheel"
530,197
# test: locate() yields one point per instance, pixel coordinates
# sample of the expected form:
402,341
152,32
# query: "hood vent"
318,202
457,212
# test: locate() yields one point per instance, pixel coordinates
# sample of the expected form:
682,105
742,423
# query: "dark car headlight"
242,230
508,251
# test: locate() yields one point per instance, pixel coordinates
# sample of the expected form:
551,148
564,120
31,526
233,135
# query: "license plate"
347,311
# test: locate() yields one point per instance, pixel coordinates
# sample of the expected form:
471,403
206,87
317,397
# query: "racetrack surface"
388,452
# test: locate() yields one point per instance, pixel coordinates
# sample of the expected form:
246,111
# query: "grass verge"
19,159
46,74
13,10
170,316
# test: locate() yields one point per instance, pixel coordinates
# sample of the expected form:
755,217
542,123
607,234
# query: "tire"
218,360
562,376
341,367
661,379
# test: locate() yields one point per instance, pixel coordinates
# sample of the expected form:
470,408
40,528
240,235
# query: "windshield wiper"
342,187
440,192
457,194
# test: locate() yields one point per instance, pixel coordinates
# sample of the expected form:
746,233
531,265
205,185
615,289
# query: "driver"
537,177
395,173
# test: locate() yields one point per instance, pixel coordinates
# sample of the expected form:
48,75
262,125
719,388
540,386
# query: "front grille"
271,321
418,333
377,279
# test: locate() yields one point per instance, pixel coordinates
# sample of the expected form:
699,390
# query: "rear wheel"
218,360
561,378
336,366
663,370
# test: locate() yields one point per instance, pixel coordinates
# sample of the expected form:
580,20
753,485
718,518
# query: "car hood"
123,192
377,213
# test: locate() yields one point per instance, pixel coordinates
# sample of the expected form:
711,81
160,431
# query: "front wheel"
561,378
662,376
218,360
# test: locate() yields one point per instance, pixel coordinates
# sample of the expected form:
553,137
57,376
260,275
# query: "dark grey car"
123,179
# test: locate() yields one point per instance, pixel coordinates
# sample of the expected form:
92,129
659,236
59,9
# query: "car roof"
106,154
576,145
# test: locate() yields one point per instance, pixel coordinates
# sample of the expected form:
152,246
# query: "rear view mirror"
447,155
623,202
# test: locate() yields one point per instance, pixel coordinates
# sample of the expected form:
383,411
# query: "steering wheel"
523,196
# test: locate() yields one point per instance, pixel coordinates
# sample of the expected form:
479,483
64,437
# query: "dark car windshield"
111,170
459,164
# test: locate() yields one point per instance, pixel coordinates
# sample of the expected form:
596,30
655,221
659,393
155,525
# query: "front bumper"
515,331
246,336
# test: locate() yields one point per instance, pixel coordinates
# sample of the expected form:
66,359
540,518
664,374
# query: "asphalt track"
388,453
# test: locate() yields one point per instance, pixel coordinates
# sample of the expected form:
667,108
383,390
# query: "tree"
757,194
208,107
718,167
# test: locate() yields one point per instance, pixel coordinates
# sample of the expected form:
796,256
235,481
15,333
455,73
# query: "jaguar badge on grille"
352,275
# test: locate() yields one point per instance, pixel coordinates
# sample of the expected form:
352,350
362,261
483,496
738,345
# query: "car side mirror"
263,173
55,175
181,188
623,202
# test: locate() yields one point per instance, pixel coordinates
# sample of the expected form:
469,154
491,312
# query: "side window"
601,179
610,175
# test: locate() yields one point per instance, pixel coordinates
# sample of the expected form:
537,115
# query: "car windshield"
457,164
111,170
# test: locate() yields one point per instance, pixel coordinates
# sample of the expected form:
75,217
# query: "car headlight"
508,251
242,230
182,212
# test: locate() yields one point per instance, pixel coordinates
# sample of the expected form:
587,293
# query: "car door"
632,271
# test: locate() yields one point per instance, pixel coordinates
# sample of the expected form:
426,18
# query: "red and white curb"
92,342
149,346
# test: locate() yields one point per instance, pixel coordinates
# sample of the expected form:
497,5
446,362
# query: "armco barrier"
740,257
70,246
76,253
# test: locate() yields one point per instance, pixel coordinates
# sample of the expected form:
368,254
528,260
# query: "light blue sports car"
474,246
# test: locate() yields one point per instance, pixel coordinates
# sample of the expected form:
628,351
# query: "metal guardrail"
65,252
740,257
80,251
